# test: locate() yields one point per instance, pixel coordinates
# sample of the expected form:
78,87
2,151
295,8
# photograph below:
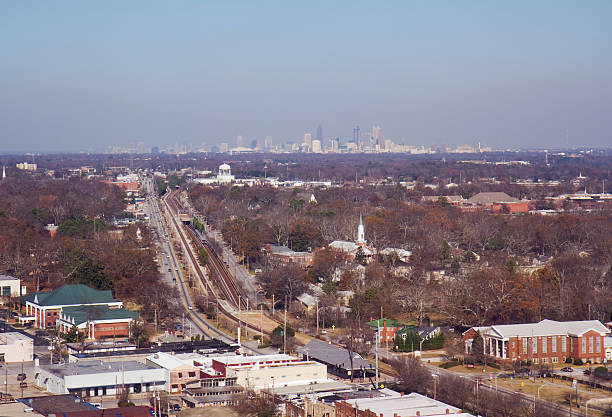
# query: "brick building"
45,307
548,341
283,255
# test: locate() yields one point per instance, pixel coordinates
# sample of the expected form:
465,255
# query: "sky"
78,76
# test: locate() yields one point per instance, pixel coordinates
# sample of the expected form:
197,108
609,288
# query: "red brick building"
283,255
545,342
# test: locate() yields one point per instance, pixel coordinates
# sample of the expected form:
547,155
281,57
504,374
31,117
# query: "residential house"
386,329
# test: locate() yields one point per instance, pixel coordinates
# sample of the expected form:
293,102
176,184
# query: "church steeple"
3,172
361,231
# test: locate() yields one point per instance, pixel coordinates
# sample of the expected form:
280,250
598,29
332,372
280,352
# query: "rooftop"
74,294
546,328
83,313
12,337
330,354
94,367
8,278
492,197
406,405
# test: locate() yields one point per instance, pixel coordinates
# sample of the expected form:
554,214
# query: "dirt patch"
208,412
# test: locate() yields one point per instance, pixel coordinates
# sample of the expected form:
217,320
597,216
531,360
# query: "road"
170,270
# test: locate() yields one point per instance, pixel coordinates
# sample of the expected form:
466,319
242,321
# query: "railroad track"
227,285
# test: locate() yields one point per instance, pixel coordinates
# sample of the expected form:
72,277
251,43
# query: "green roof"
83,313
71,295
381,323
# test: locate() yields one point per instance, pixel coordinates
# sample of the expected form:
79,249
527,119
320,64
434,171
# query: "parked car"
21,377
23,385
567,369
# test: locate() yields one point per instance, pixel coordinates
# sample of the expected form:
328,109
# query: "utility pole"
285,329
377,336
317,316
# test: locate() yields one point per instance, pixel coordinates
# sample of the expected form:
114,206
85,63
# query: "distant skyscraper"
308,140
316,146
268,143
224,147
356,135
319,133
377,134
140,147
239,142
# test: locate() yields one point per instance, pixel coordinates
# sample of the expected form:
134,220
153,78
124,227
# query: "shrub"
449,364
494,365
569,360
578,361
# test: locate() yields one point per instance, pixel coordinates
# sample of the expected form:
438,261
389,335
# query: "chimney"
447,411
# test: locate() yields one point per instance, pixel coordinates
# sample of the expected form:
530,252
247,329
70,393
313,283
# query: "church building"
353,248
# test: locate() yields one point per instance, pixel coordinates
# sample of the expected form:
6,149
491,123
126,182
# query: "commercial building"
397,406
336,359
96,378
16,347
45,307
97,321
548,341
258,376
10,287
178,373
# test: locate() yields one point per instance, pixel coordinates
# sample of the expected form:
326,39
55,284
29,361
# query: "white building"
16,347
11,286
412,404
352,248
258,376
223,177
25,166
97,378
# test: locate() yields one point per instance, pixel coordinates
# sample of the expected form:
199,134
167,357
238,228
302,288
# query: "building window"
583,344
534,345
180,374
591,344
524,345
563,343
535,361
598,344
553,344
555,359
544,360
544,345
6,291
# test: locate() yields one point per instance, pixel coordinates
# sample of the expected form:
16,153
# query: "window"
563,343
591,344
535,361
524,345
598,344
584,344
555,360
6,291
191,374
544,360
534,345
544,345
553,344
180,374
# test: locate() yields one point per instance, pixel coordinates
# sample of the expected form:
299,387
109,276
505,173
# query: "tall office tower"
316,146
319,133
377,134
140,147
239,142
356,135
308,140
224,147
268,143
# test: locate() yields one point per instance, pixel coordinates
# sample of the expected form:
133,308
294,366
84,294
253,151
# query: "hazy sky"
78,75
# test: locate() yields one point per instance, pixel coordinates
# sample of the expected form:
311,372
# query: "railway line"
227,285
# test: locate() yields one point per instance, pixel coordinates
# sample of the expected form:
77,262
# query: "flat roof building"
97,378
16,347
397,406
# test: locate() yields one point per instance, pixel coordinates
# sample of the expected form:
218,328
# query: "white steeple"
361,231
3,172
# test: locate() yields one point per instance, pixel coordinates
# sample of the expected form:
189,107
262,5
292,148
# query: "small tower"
361,231
3,172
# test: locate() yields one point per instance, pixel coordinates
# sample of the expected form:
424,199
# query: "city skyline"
82,77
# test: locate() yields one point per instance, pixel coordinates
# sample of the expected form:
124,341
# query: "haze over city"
78,76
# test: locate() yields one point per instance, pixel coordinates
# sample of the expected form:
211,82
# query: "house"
178,372
280,254
336,359
386,329
97,321
97,378
45,307
548,341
